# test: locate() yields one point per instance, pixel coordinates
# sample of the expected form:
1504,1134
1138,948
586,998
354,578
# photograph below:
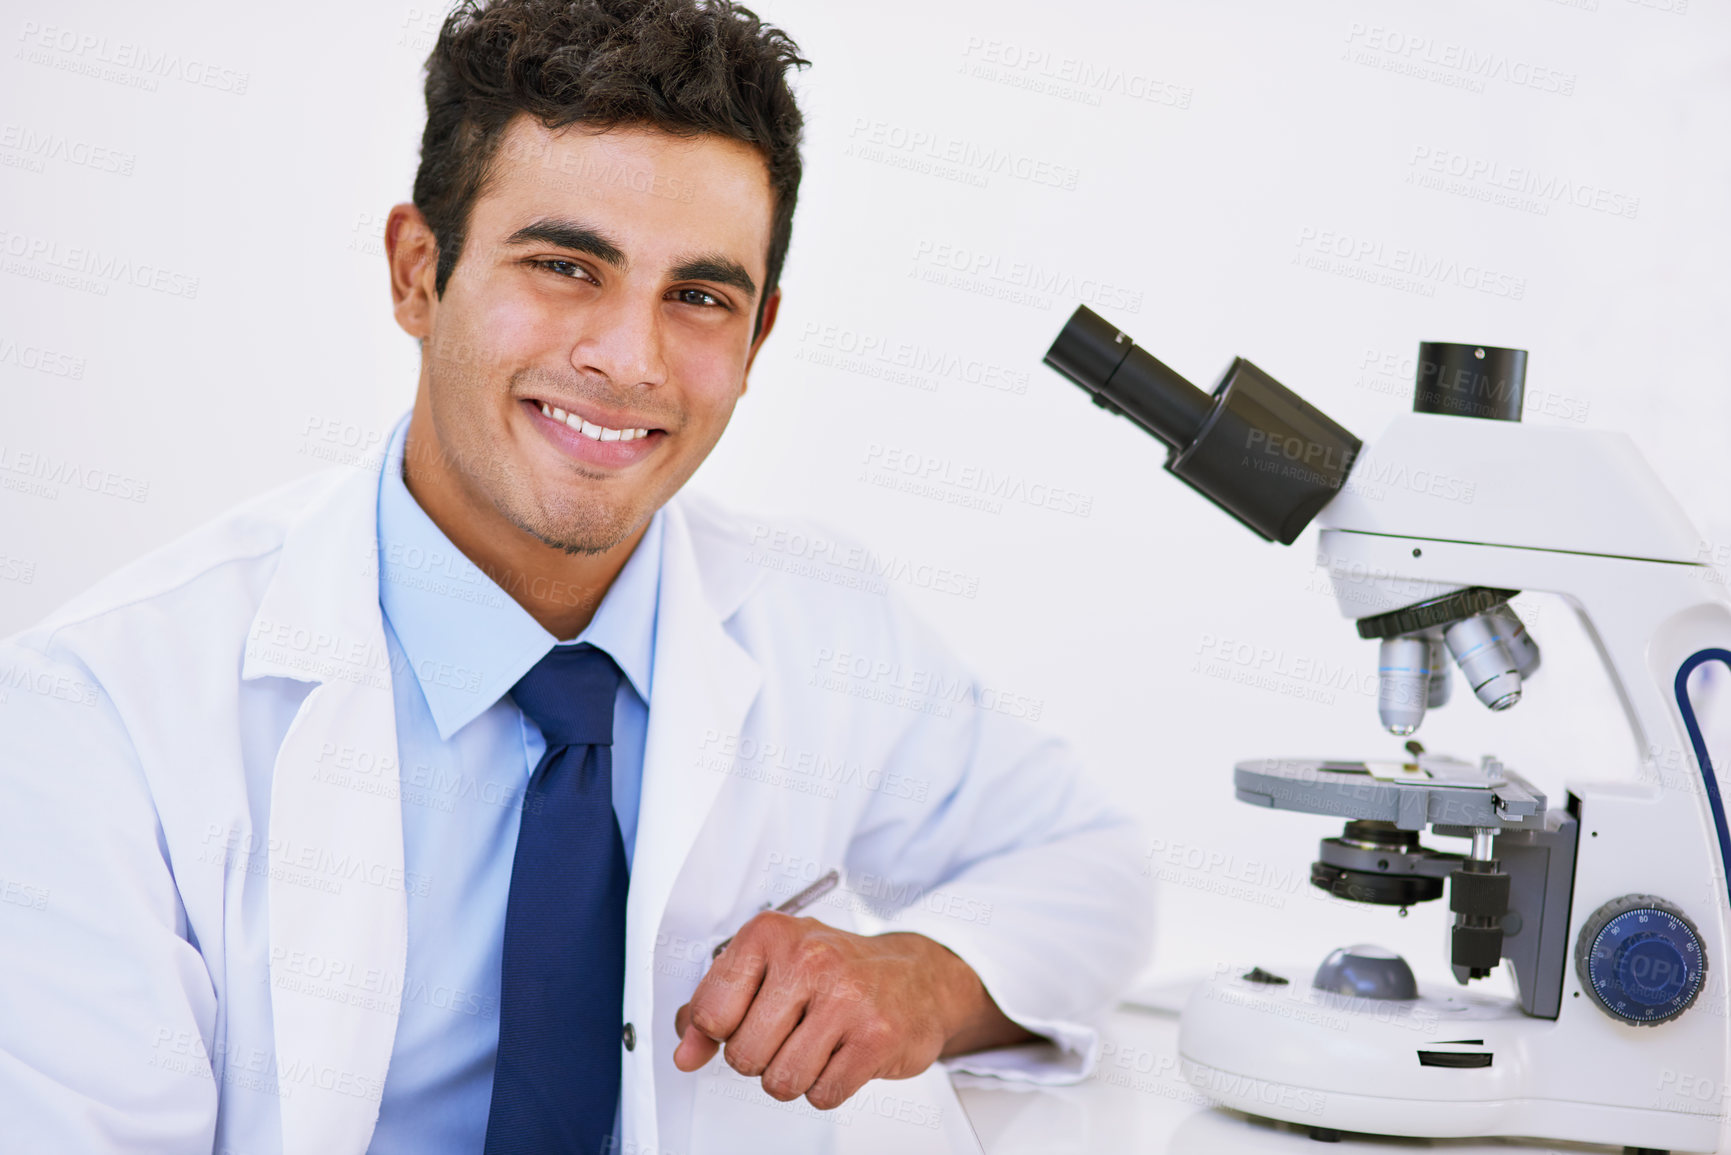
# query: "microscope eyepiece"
1128,380
1470,380
1253,447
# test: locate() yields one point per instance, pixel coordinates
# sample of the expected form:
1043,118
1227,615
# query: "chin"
585,532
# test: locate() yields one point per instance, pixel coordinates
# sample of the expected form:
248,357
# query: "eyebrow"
573,235
715,267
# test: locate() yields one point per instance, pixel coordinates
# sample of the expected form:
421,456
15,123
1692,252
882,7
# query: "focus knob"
1641,960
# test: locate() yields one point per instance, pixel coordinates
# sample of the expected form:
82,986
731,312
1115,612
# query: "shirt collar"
467,640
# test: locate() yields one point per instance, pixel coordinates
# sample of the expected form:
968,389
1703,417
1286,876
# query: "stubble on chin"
574,525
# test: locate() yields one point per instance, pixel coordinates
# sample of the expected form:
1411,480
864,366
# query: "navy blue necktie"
562,981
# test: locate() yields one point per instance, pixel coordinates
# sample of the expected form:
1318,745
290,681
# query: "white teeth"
591,430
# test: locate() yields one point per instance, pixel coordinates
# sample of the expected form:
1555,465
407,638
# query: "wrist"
970,1018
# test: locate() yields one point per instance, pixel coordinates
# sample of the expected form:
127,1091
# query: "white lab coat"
203,931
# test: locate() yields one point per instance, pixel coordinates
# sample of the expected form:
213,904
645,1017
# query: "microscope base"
1449,1064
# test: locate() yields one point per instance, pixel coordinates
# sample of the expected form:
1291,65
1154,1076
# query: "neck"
559,590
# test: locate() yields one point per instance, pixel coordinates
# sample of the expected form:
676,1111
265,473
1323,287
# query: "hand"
818,1012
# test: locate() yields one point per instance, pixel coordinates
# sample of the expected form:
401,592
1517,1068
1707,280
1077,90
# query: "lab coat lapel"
704,684
338,911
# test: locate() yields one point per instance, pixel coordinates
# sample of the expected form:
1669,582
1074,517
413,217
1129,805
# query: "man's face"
597,329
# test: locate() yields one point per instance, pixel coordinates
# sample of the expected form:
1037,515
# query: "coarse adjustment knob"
1641,960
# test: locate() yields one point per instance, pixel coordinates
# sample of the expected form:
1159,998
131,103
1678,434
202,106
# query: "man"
404,809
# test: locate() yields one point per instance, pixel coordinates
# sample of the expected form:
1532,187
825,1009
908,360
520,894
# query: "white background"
1181,166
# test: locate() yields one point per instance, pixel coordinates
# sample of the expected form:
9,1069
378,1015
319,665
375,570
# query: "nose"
621,339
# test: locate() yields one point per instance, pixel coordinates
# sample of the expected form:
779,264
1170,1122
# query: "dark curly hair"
686,67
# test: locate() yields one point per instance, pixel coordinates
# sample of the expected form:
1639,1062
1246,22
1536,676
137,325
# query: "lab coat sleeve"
1011,858
106,1009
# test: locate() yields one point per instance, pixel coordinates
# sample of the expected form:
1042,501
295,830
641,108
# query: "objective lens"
1521,646
1441,678
1403,681
1481,651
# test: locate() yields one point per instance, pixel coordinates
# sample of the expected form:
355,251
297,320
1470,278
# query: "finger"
855,1063
694,1050
719,1003
802,1058
774,1013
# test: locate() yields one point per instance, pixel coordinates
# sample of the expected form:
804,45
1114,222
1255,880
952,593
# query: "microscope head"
1253,447
1274,461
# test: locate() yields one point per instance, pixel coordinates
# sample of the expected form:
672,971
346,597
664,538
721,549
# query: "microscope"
1610,907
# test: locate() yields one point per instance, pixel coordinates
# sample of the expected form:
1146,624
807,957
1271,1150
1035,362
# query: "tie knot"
569,694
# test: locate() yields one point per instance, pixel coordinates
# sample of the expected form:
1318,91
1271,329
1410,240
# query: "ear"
413,256
770,305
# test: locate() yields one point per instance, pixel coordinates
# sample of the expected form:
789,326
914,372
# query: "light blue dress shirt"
458,642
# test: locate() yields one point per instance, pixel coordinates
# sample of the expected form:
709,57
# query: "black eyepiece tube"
1253,447
1093,353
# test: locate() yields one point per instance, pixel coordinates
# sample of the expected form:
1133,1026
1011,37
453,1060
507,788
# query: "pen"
795,904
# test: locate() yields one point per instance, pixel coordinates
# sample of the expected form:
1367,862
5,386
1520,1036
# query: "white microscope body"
1610,910
1578,514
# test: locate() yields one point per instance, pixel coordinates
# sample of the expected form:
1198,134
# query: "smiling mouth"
591,430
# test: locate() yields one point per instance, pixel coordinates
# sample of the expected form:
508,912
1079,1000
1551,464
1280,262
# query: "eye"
568,269
698,297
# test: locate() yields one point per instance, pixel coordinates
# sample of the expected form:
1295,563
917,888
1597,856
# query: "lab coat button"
630,1037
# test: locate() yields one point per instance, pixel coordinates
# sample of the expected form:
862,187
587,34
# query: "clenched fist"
818,1012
